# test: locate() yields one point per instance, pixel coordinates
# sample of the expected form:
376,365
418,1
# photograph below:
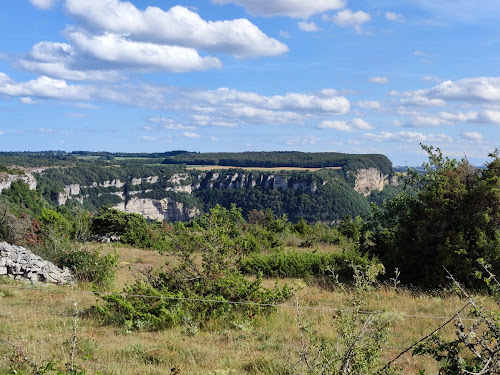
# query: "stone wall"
21,264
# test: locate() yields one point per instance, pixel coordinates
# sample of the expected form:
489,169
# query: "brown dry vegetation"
39,320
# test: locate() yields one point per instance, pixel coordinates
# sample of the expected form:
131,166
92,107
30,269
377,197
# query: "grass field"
213,167
39,321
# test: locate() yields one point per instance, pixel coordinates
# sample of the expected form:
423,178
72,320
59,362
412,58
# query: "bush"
89,265
303,264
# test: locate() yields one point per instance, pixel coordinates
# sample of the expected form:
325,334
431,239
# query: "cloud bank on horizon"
232,75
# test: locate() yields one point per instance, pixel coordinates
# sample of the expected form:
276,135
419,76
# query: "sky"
252,75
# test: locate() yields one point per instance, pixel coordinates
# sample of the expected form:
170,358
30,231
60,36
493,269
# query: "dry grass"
39,321
215,167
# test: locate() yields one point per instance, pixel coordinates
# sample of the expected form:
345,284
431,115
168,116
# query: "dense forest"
350,162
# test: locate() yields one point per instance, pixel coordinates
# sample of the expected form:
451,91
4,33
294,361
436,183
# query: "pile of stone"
21,264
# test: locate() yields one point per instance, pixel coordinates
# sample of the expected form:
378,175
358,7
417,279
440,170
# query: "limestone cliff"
7,179
370,179
163,209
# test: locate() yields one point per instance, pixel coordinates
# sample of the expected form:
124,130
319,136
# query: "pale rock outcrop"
178,178
136,181
69,190
8,179
21,264
164,209
151,179
180,189
115,183
369,179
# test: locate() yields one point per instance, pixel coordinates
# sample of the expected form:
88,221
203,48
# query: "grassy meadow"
39,321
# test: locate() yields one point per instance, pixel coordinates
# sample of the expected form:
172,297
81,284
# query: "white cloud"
43,87
44,130
471,116
284,34
348,18
290,102
420,53
214,139
148,138
291,8
471,90
117,49
408,137
491,116
431,79
379,80
308,26
353,142
422,101
191,135
343,126
26,100
369,104
396,17
44,4
427,121
178,26
473,137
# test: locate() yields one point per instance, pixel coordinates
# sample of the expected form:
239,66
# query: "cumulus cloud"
471,90
396,17
191,135
491,116
179,26
348,18
289,102
291,8
44,4
369,104
308,26
379,80
119,50
43,87
422,101
471,116
59,60
472,137
408,137
346,126
431,79
427,122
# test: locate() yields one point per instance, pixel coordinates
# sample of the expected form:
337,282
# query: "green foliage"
448,217
285,159
304,264
22,198
192,293
133,229
89,265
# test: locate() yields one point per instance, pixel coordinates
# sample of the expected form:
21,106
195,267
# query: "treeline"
350,162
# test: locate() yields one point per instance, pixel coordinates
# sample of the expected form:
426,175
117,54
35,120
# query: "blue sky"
236,75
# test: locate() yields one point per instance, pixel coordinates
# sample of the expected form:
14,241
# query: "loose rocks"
21,264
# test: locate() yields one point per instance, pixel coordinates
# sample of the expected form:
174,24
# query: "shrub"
303,264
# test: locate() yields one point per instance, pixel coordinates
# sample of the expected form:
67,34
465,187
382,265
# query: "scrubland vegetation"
260,294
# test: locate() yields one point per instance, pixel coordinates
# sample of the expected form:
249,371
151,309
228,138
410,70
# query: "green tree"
450,216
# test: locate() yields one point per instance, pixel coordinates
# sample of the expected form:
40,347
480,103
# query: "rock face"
370,179
21,264
7,180
164,209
